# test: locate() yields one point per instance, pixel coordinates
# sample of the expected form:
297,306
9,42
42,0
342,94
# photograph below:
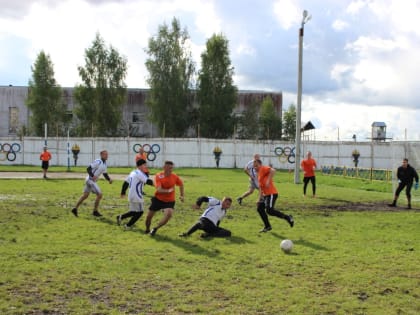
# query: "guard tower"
378,131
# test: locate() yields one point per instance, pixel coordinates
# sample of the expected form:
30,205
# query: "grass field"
352,255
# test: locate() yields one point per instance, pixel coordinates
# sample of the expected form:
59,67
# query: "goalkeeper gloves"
416,185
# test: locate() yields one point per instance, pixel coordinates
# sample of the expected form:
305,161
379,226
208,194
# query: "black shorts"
45,165
160,205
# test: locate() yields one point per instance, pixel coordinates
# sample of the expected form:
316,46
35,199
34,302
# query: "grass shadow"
310,245
187,246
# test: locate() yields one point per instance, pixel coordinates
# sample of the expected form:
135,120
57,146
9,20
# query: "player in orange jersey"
164,198
268,196
308,166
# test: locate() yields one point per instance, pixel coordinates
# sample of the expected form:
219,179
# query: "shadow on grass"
187,246
310,245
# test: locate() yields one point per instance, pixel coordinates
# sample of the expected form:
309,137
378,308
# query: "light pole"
305,19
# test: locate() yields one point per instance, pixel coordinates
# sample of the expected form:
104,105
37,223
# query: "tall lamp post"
305,19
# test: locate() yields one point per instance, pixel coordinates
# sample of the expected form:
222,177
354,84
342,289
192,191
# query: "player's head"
309,154
140,162
257,164
104,154
226,202
168,166
257,156
405,162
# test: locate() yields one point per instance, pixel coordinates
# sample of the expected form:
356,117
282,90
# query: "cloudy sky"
360,58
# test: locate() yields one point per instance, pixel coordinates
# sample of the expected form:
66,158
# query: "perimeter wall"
198,152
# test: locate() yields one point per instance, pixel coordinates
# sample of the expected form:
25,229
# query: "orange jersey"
263,174
142,156
45,156
308,167
167,182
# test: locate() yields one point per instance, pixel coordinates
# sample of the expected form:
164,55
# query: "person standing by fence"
406,175
308,166
45,158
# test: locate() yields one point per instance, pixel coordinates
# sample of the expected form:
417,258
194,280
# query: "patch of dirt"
368,206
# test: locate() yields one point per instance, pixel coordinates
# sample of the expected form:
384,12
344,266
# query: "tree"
44,98
170,69
270,123
248,126
216,93
289,123
101,96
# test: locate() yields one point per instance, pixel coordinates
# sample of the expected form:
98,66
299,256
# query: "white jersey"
214,211
254,176
98,168
136,181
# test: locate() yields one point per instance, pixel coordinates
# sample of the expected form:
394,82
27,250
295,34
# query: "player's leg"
167,215
82,198
397,194
305,184
197,226
221,232
96,205
313,181
263,215
408,194
148,222
270,202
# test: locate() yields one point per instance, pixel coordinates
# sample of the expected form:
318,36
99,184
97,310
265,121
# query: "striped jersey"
98,168
214,211
136,181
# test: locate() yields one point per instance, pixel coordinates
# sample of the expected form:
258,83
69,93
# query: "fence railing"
357,172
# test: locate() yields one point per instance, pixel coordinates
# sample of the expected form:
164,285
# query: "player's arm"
107,177
162,190
200,201
181,193
270,176
90,171
124,188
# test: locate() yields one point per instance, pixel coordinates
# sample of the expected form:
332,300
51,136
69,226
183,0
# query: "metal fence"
356,172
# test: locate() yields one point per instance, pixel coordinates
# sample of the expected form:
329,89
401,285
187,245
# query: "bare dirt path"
52,175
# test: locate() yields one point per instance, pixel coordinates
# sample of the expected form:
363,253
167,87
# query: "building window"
137,117
13,120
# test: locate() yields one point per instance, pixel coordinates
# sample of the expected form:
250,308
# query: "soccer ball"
286,246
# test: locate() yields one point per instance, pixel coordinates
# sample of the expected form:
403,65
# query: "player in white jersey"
135,182
211,217
253,178
96,169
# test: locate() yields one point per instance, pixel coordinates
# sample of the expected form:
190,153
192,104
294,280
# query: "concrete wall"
198,152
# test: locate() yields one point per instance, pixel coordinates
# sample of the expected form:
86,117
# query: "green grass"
351,255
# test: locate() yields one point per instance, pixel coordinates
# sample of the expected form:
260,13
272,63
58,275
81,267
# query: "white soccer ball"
286,246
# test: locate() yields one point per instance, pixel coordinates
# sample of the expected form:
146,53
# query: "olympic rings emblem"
150,150
285,154
8,151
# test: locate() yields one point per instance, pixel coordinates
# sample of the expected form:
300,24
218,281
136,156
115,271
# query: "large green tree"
248,125
102,94
289,123
170,69
44,98
216,94
270,123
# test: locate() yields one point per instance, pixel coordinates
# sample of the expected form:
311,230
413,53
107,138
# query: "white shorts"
92,187
136,206
253,183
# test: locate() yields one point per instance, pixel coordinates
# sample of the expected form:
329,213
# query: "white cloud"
339,25
287,13
355,6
